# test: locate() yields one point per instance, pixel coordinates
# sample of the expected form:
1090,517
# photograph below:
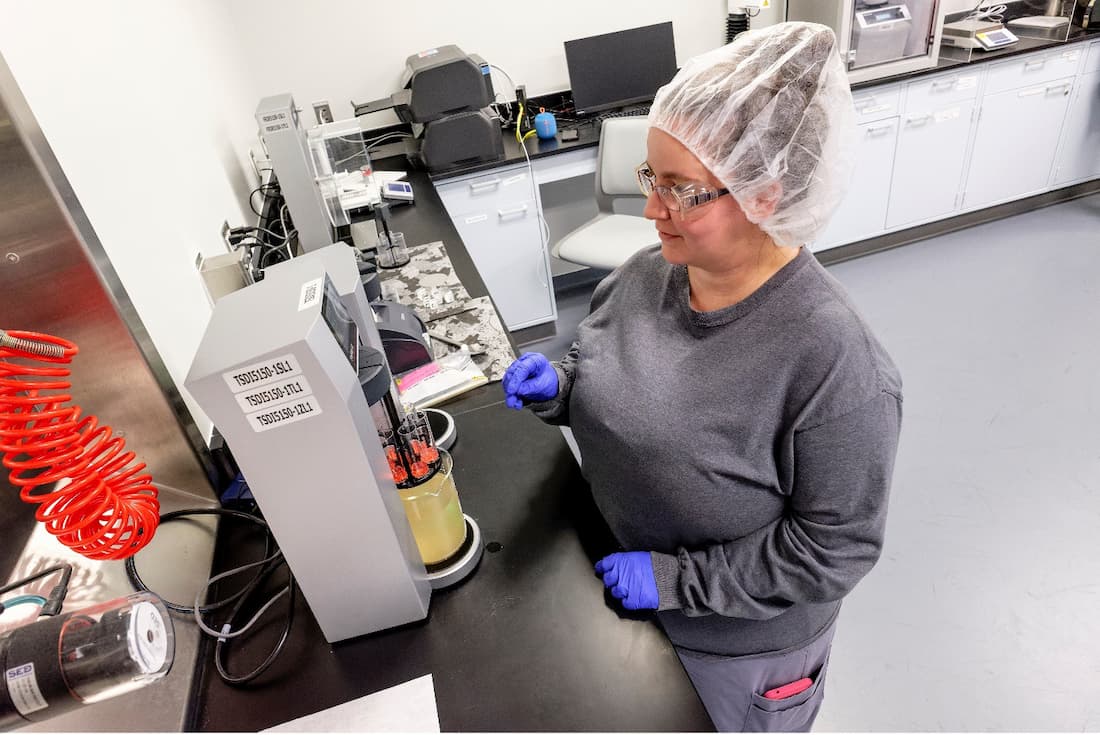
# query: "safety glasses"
687,199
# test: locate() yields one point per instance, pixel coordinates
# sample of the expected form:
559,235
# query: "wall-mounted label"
284,415
274,394
260,374
311,293
23,689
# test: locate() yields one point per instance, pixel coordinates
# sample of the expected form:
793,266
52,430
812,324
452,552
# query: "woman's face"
707,239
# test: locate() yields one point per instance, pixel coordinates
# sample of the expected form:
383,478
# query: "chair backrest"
622,148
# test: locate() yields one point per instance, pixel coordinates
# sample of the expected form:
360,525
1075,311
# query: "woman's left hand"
629,576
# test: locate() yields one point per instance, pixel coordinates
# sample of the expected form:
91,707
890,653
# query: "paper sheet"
408,707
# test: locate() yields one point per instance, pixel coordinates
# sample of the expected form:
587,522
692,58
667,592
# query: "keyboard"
629,112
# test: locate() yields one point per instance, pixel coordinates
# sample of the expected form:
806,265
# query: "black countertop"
529,642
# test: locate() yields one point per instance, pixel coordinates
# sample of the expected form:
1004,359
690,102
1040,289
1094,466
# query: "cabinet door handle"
508,213
876,130
484,185
1064,87
1039,64
918,120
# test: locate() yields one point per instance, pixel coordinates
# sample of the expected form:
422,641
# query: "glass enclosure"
1018,24
342,168
878,38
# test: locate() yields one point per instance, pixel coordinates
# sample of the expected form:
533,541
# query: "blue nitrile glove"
529,379
629,576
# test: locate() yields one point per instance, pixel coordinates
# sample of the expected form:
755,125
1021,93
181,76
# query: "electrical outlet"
323,112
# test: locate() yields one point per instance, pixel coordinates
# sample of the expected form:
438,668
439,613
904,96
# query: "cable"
994,13
268,565
239,631
511,84
22,600
52,605
140,586
388,136
544,226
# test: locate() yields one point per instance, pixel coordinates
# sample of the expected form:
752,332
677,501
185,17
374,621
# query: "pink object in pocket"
789,690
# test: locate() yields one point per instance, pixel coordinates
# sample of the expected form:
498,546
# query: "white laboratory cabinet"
1019,128
933,137
1079,158
862,213
497,216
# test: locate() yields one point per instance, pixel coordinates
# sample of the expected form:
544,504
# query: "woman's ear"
761,204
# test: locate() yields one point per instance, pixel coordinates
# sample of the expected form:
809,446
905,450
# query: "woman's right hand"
529,379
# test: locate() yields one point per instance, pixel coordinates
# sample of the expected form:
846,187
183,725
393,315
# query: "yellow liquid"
435,515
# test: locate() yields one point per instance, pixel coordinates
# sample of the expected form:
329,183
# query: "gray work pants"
732,687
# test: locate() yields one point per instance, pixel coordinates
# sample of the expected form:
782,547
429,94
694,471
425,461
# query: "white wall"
146,108
342,50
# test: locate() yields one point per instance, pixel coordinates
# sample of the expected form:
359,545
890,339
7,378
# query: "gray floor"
984,612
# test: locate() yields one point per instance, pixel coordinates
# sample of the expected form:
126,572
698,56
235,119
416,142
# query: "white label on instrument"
873,109
311,293
146,638
260,374
476,218
514,179
283,415
23,689
967,82
945,115
273,395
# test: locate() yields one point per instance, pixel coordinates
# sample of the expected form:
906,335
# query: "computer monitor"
619,69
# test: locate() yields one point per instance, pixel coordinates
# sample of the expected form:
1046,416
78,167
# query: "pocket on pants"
791,714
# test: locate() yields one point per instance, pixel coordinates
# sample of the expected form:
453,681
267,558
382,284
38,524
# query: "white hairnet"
772,108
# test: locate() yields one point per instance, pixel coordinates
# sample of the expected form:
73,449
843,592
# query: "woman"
737,419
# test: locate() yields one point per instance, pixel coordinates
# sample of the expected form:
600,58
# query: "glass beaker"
392,253
435,514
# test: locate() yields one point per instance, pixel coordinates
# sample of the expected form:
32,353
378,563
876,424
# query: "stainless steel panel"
55,277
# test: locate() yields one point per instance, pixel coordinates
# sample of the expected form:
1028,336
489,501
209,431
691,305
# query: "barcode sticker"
311,294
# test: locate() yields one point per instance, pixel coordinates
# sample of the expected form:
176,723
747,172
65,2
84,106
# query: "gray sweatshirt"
749,449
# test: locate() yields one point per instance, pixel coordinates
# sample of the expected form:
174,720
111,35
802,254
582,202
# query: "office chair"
610,238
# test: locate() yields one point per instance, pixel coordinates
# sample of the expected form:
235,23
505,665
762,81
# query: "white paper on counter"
408,707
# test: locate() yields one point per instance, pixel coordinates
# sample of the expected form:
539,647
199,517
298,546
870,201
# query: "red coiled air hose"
106,511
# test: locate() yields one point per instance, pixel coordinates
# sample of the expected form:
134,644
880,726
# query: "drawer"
944,89
1092,60
486,191
1033,70
876,103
